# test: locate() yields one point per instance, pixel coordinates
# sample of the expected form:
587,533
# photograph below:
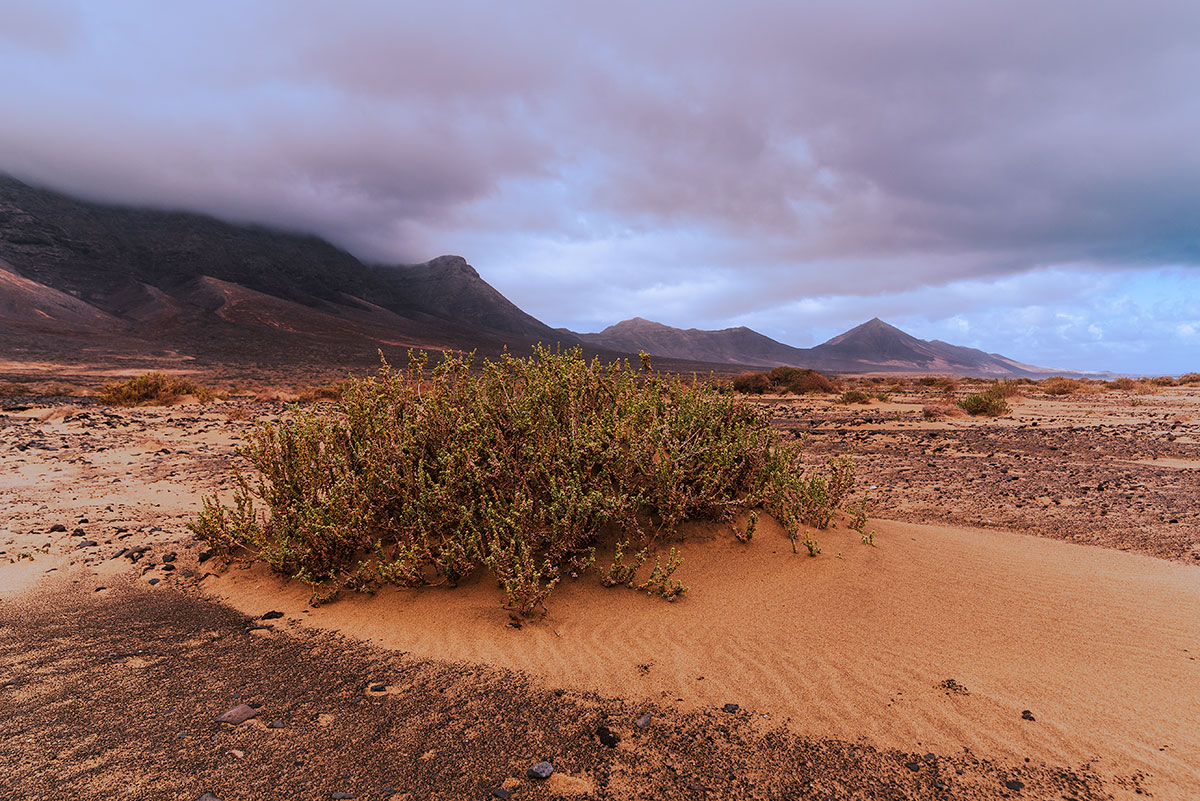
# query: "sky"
1021,177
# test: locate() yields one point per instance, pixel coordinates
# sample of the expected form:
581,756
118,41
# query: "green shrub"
988,404
419,478
151,389
854,396
751,383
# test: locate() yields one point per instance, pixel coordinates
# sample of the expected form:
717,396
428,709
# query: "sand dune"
1090,641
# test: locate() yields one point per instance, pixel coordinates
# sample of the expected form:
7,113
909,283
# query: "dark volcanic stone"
607,736
730,708
87,544
913,766
208,797
272,615
342,795
1013,784
58,527
501,793
1027,715
539,770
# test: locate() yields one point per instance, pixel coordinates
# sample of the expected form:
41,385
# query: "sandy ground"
907,669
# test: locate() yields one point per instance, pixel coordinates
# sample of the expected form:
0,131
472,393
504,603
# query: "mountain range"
85,282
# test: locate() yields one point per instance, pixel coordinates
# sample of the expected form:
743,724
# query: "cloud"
672,159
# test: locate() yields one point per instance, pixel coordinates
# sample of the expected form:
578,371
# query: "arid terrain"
1024,626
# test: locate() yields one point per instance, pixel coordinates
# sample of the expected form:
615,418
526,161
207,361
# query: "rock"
607,736
378,688
276,724
272,615
87,544
540,770
730,708
1013,784
913,766
204,556
58,527
170,557
501,793
237,715
153,581
644,721
208,797
342,795
78,533
1027,715
167,567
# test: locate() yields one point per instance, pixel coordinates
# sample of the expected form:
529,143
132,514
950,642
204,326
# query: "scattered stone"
78,533
339,794
276,724
208,797
913,766
58,527
378,688
237,715
644,721
501,793
204,556
87,544
1027,715
539,770
272,615
167,567
731,708
153,581
607,736
170,557
237,753
1013,784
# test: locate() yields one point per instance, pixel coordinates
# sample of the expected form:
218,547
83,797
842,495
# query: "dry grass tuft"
152,389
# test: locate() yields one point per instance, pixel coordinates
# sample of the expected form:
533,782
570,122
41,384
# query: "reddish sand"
1100,646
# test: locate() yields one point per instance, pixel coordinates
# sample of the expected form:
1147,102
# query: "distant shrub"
751,383
941,383
799,380
1162,381
1005,389
9,388
1060,385
988,404
853,396
934,411
1122,383
418,478
331,390
151,389
1190,379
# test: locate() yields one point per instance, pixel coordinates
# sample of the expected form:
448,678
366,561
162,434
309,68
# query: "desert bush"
941,383
1060,385
988,404
151,389
415,477
9,388
751,383
1123,383
1005,389
331,390
853,396
1189,379
934,411
1162,381
800,381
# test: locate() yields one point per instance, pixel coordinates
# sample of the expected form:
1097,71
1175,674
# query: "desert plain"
1023,625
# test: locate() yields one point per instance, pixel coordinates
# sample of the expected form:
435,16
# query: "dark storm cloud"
745,153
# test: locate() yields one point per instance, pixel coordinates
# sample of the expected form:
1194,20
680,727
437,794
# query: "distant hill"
873,346
81,280
75,274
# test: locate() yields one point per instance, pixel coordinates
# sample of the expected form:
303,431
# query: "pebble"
539,770
913,766
237,715
170,557
342,795
731,708
644,721
208,797
276,724
378,688
1013,784
272,615
501,793
87,544
153,581
58,527
1027,715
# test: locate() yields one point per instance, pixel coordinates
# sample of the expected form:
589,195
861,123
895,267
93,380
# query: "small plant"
811,544
882,397
934,411
660,582
853,396
151,389
869,538
748,533
986,404
858,519
750,383
621,573
800,381
1060,385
